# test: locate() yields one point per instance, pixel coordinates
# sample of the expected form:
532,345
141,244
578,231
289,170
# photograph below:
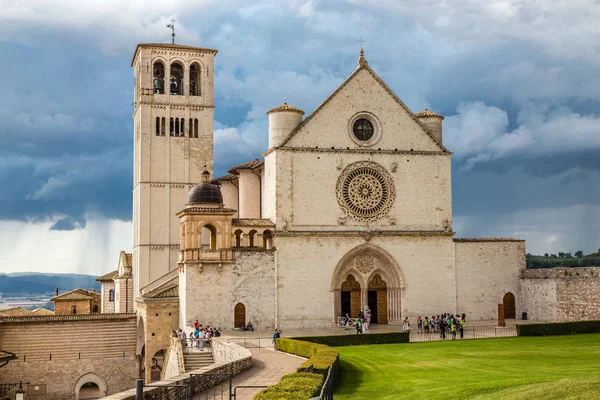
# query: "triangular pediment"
363,92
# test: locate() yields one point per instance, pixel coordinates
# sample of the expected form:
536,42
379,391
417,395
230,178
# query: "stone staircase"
197,359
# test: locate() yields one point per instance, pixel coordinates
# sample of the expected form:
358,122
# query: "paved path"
268,367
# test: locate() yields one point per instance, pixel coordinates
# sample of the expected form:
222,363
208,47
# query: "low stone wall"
561,294
229,359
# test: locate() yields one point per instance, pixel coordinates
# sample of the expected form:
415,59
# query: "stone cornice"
475,240
162,104
172,48
366,234
357,151
66,317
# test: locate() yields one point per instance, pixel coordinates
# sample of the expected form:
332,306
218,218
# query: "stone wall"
65,307
487,269
61,353
210,291
562,294
233,359
107,305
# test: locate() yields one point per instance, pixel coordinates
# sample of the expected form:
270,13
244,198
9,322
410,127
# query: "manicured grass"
556,367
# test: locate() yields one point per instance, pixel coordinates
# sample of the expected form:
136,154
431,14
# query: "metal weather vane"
172,26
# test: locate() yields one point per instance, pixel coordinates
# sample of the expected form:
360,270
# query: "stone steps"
197,359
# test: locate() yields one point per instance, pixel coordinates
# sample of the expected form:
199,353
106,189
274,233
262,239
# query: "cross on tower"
361,41
172,26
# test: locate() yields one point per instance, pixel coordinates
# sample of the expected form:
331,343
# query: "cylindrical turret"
282,120
432,121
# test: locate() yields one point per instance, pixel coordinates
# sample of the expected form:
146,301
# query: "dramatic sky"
518,82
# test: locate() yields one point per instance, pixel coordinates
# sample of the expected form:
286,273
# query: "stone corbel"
394,167
342,220
392,220
200,268
220,267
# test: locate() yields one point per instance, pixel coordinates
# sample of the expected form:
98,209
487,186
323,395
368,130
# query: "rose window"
365,191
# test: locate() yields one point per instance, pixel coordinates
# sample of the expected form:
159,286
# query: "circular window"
363,129
365,191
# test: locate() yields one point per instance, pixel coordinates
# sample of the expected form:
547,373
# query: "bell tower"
173,145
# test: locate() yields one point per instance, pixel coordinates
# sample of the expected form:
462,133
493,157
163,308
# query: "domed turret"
205,192
282,120
432,121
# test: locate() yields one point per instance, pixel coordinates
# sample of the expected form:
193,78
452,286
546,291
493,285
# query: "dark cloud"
68,224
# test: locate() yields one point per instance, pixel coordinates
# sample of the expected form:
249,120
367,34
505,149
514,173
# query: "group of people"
445,324
362,323
199,337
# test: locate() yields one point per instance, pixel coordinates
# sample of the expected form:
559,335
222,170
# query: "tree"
561,254
579,254
546,255
568,255
553,256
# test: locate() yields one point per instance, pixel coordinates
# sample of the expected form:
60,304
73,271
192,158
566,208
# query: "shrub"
558,328
358,340
296,386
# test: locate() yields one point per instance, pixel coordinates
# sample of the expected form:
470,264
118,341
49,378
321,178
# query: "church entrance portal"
379,289
351,297
239,315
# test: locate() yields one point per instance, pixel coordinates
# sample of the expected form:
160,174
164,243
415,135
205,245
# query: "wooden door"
382,306
509,306
239,315
354,304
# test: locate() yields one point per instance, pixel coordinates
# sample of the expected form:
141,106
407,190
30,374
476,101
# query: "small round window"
363,129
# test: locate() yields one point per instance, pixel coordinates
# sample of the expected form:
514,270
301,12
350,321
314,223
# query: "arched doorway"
377,300
158,360
509,306
351,297
89,386
239,315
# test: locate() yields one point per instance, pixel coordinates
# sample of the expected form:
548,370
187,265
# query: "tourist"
275,339
426,325
358,325
420,324
201,336
463,317
406,324
347,321
461,327
249,327
442,328
453,328
367,319
197,325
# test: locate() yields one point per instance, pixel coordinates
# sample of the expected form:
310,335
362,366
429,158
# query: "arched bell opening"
176,79
158,78
268,239
195,74
208,237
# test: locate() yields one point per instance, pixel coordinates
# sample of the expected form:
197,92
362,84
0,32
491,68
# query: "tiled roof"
168,289
252,222
285,107
171,46
107,277
15,312
224,178
210,210
42,311
427,113
256,163
77,294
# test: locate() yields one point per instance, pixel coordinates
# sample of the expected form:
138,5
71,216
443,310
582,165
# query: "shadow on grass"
348,377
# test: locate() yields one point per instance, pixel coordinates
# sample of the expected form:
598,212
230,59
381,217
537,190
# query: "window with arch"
157,126
176,79
73,309
195,71
191,128
162,126
195,127
267,239
208,237
111,295
239,237
158,78
176,126
171,127
182,127
252,238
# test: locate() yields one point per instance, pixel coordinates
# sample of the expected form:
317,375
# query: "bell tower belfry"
173,145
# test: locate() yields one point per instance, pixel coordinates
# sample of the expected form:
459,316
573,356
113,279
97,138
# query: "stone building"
117,287
350,209
78,301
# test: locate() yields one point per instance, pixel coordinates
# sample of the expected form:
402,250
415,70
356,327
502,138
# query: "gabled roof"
254,164
362,66
125,259
77,294
168,289
42,311
14,312
107,277
252,222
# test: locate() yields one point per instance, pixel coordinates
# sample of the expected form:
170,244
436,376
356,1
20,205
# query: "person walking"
420,324
426,325
406,324
347,321
461,328
358,325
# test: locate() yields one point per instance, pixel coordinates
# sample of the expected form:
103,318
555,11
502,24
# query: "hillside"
39,283
563,260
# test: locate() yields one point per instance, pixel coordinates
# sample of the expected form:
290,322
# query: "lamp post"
20,394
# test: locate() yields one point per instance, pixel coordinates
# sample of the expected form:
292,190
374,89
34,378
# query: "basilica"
349,208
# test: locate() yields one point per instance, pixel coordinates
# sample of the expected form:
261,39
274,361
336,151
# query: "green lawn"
556,367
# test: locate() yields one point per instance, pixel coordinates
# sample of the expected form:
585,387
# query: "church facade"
351,208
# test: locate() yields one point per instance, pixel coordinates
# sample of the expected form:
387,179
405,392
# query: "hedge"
558,328
296,386
302,385
358,340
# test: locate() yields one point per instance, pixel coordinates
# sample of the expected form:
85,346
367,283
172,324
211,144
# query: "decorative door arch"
239,315
509,306
351,297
